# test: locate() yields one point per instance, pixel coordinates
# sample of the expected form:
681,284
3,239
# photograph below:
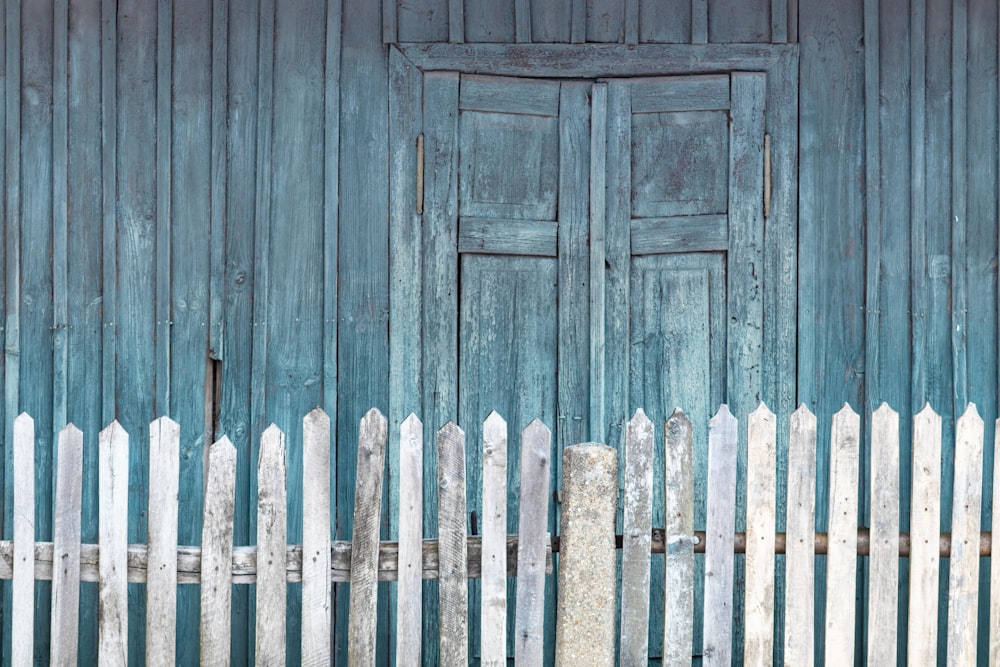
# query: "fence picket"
66,547
409,595
112,645
842,527
759,589
493,638
23,585
800,543
217,554
963,590
452,546
533,538
995,569
678,625
883,559
271,542
364,551
637,514
161,577
720,523
925,524
316,584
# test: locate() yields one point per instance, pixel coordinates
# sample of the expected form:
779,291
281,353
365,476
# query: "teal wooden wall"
196,221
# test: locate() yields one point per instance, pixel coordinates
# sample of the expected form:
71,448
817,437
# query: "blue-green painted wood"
737,21
36,307
551,21
363,287
6,512
239,281
423,21
605,21
489,21
658,24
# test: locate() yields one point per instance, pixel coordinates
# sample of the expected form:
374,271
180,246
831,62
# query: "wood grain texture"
271,543
161,585
761,521
364,555
452,554
925,525
637,521
597,249
605,21
800,527
883,563
699,21
679,573
533,543
409,617
66,548
216,556
493,611
113,608
316,585
719,526
842,554
963,574
23,585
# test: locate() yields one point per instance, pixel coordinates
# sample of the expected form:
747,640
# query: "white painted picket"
455,557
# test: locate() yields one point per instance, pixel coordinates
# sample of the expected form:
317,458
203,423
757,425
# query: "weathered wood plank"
631,22
779,21
761,522
411,500
219,193
316,586
456,21
959,214
490,21
424,21
522,20
217,554
665,27
682,93
688,233
699,21
551,21
66,547
508,237
60,211
23,585
800,526
925,524
493,613
162,177
883,568
739,21
113,611
364,555
109,195
452,554
578,22
963,589
161,585
532,529
605,21
841,559
637,517
390,21
598,208
678,631
271,544
719,526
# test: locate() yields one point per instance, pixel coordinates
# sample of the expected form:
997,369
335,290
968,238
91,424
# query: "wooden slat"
112,646
719,525
162,177
109,208
216,556
959,296
508,237
219,183
681,93
390,21
963,589
60,211
631,22
522,20
841,559
454,649
637,516
883,563
994,620
779,21
532,529
411,500
925,524
493,641
699,21
316,586
23,585
364,556
161,586
598,181
66,547
271,541
698,233
759,591
678,630
800,525
456,21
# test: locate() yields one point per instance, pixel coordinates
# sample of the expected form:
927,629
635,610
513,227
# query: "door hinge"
767,176
420,174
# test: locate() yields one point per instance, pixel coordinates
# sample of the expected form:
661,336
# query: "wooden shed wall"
195,215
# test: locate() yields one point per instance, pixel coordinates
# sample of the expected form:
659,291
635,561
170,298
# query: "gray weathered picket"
454,557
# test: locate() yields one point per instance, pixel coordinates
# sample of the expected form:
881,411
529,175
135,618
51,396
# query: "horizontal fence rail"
589,585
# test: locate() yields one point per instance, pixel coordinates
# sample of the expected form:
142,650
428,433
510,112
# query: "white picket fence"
454,557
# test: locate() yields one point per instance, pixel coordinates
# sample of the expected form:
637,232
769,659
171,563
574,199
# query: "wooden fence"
454,557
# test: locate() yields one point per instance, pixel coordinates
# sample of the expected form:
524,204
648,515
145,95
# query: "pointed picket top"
112,432
802,419
494,432
928,414
640,424
24,421
678,420
164,426
411,425
272,446
762,412
71,432
884,411
373,416
722,415
221,449
722,427
272,433
971,415
451,430
535,429
317,419
845,411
